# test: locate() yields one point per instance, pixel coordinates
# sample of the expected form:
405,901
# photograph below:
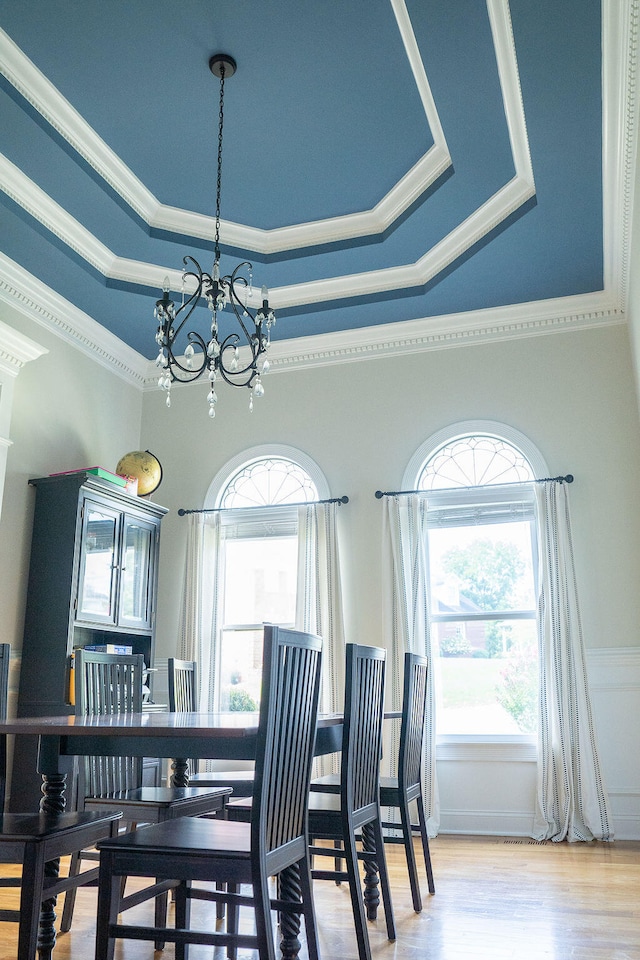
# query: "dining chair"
112,683
183,697
35,839
400,791
274,842
355,807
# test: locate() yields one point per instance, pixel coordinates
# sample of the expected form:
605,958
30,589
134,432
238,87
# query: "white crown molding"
65,119
620,27
437,333
16,350
49,102
24,292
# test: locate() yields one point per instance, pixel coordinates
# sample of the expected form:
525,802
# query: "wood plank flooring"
496,899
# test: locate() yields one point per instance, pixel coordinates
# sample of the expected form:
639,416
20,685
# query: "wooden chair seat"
33,840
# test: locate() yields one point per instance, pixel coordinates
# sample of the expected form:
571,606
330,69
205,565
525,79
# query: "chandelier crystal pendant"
225,358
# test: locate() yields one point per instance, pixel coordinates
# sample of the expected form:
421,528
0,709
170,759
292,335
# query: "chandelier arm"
231,343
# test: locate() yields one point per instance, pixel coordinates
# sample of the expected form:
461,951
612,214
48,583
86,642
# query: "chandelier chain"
219,174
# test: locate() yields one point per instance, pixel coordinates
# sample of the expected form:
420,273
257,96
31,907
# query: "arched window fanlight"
472,461
269,481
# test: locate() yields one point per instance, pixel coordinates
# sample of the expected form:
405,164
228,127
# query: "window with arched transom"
257,494
482,557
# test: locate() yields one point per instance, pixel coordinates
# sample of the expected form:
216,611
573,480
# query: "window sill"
487,748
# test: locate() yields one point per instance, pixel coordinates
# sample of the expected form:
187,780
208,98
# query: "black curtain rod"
301,503
402,493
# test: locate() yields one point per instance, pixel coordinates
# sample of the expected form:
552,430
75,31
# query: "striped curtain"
406,606
319,605
572,801
200,595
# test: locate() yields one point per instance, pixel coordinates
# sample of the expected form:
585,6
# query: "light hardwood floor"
496,899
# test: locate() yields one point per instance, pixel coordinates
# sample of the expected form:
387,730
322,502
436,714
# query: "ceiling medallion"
218,358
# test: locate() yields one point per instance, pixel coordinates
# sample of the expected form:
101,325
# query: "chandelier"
217,357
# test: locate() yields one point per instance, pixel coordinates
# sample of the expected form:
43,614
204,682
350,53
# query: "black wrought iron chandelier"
219,358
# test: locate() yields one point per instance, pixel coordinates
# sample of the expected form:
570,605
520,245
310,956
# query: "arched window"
257,494
482,554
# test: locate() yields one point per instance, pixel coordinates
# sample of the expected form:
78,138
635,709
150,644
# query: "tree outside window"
482,553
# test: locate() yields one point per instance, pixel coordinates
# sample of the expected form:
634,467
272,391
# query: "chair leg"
183,917
407,837
384,880
264,931
357,902
232,911
308,911
424,836
109,887
70,895
30,903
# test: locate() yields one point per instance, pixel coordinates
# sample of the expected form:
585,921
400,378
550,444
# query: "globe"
143,465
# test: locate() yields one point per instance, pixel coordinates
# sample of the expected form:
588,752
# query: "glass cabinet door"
96,587
138,540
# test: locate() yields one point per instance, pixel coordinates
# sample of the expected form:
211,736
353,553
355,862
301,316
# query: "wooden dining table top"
204,735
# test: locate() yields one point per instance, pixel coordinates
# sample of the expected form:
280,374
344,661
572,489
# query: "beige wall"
68,411
572,394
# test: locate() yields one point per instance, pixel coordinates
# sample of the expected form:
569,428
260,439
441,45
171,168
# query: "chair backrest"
183,692
362,732
414,707
5,655
107,683
183,685
285,742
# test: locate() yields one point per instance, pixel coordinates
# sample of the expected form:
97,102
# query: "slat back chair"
183,696
228,853
406,788
33,840
356,808
5,657
108,683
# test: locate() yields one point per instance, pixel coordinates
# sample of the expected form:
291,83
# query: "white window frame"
254,521
473,747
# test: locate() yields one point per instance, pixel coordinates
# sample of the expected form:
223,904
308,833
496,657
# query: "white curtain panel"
572,801
406,621
198,623
319,605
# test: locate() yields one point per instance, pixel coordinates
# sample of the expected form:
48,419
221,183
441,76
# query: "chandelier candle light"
218,358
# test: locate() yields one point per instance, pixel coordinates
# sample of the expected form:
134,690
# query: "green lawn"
469,681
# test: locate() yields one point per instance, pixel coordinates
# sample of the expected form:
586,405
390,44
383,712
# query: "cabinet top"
91,482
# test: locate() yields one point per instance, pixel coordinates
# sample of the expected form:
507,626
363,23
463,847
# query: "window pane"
483,568
487,676
240,670
260,580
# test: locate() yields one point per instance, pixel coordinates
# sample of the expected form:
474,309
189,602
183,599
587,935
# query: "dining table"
213,736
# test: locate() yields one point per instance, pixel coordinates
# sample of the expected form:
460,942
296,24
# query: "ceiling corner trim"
620,107
24,292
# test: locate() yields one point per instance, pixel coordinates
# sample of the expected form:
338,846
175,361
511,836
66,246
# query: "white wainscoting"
489,788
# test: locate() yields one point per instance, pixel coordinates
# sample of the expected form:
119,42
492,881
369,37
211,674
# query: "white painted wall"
67,412
572,394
